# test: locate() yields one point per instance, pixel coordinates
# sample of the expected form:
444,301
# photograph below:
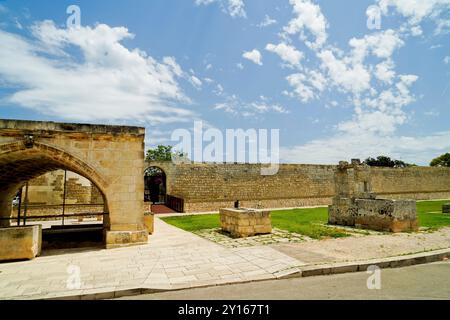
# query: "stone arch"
168,168
20,163
155,177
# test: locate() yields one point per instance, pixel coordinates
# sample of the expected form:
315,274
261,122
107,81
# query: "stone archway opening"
62,226
155,186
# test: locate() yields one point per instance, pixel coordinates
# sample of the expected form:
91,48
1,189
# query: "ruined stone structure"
243,223
111,157
446,208
355,204
209,187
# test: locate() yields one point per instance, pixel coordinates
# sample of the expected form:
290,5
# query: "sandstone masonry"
111,157
209,187
243,223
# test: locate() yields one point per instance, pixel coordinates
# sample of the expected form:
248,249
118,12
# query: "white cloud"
235,106
384,71
287,53
415,10
382,113
308,17
351,78
218,90
235,8
343,146
306,85
254,56
381,45
447,60
268,21
196,82
442,26
110,83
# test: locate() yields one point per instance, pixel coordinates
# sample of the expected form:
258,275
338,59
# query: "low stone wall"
20,243
242,223
44,210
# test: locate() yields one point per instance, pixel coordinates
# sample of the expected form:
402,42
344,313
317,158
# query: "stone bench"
242,223
20,243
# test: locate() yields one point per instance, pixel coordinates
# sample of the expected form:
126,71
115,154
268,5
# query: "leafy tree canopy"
383,161
441,161
163,153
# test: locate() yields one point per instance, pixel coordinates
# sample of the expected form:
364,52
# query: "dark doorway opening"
155,186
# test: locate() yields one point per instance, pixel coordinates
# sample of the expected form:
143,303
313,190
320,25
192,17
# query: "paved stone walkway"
173,259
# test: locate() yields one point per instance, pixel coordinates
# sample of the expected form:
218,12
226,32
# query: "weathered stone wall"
48,189
419,183
208,187
55,210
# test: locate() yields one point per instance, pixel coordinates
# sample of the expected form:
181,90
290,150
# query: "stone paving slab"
172,259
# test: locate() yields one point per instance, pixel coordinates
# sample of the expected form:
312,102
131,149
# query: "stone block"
149,220
446,208
386,215
118,239
20,243
241,223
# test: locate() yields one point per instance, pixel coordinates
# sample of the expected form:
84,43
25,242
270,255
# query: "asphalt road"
429,281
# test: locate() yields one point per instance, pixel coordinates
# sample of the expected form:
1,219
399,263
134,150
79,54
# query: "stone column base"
120,239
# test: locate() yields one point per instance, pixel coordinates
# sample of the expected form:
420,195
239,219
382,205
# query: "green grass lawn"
430,214
309,222
303,221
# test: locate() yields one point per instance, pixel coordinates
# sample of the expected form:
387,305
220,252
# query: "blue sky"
335,88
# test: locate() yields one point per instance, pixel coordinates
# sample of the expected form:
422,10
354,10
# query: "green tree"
163,153
383,161
441,161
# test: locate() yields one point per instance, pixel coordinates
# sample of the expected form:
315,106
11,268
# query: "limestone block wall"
56,210
209,187
48,189
418,183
